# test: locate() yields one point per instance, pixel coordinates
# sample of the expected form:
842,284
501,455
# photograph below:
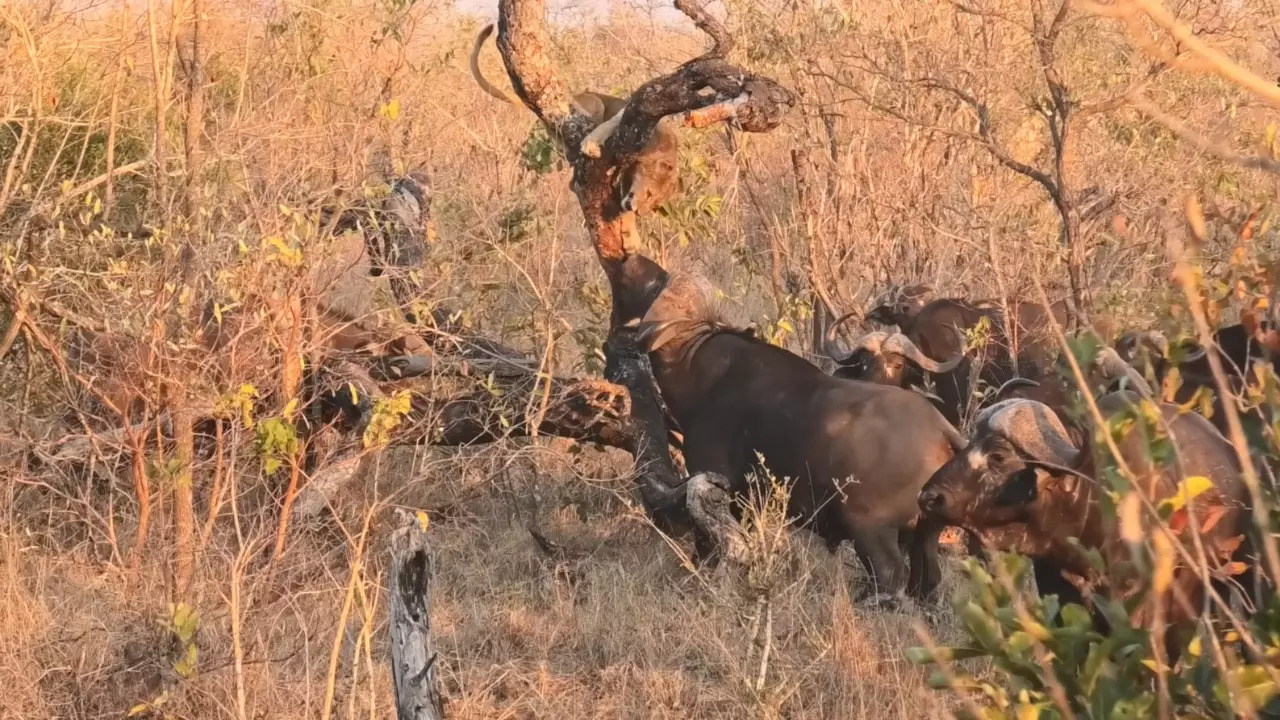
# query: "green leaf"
1255,683
923,656
1020,642
1076,616
981,625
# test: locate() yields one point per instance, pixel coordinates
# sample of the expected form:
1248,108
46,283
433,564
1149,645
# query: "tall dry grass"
316,102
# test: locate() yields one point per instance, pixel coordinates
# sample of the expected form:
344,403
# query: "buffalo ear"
1021,488
1066,482
654,335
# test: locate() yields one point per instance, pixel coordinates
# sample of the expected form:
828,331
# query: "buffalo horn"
829,340
1155,339
1152,339
1194,355
1014,384
1113,367
902,345
872,342
1033,428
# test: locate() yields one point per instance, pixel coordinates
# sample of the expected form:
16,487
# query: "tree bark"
413,656
705,90
195,113
184,521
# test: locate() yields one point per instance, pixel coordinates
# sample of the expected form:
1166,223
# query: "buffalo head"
637,283
687,310
1020,458
886,358
898,304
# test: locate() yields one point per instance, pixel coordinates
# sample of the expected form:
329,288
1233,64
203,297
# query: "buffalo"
933,338
1238,348
1028,482
1239,351
857,453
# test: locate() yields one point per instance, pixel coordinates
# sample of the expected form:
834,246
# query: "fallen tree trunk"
413,657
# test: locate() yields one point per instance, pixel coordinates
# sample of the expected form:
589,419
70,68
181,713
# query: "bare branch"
523,40
1203,144
1126,96
1218,62
56,311
723,41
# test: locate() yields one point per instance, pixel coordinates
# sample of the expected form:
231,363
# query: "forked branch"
708,24
705,90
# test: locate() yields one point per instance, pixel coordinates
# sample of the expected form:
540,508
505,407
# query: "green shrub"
1046,655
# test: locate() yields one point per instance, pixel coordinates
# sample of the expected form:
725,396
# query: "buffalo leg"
973,545
877,548
702,456
1050,581
925,568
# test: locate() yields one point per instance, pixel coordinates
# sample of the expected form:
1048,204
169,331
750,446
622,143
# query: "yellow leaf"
1234,568
1036,630
1131,518
423,521
1189,489
1027,711
1165,563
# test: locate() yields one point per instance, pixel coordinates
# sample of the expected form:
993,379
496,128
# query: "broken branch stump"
413,657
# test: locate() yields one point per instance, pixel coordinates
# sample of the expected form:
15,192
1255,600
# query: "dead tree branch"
413,655
723,41
1204,144
704,91
753,103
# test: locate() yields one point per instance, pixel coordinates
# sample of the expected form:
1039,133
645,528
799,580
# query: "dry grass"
611,623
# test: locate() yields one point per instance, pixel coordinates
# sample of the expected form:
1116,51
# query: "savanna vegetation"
190,531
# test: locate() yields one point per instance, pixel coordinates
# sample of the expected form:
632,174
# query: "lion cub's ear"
589,104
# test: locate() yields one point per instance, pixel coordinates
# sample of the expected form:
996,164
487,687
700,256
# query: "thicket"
158,159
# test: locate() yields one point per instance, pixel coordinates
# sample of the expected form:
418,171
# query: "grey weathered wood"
718,532
413,657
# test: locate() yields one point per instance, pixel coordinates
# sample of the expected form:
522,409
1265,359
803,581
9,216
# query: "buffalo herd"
873,453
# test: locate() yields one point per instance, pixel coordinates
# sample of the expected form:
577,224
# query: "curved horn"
872,341
1014,384
1113,367
902,345
829,339
1033,428
1134,340
489,88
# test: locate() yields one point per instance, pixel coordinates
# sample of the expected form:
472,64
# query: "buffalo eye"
1020,489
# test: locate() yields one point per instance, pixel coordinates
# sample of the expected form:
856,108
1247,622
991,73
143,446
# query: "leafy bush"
1052,662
